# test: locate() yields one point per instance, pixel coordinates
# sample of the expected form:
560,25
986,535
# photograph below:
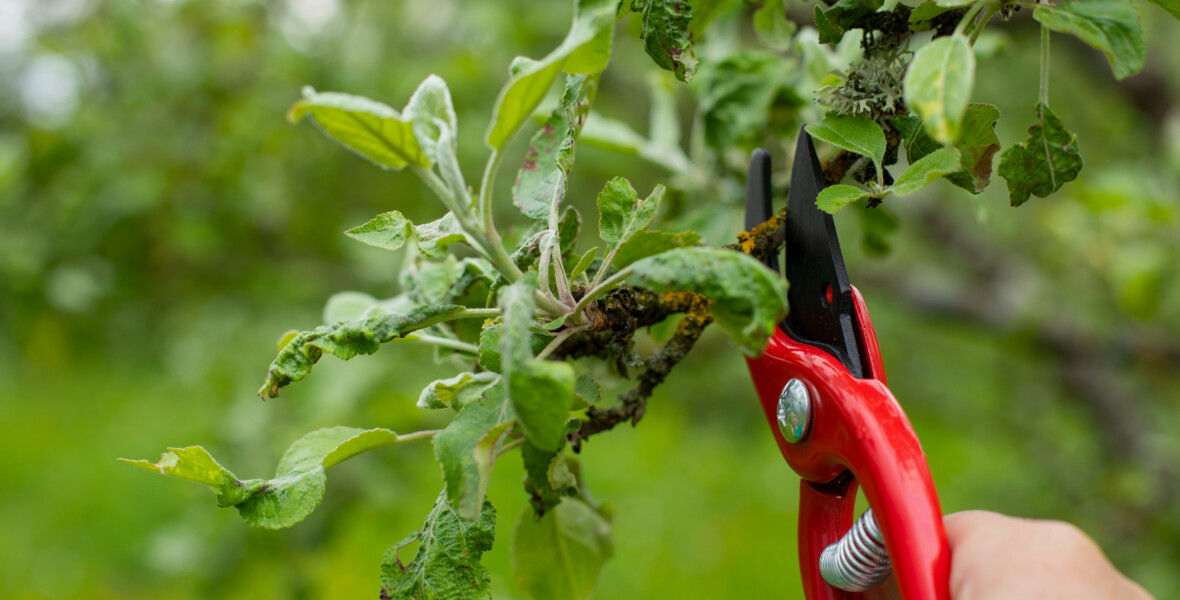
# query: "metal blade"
759,195
820,296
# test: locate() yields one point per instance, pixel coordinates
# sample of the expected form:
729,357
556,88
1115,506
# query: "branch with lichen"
614,319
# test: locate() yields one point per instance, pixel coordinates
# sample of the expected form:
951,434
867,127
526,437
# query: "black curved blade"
759,196
814,265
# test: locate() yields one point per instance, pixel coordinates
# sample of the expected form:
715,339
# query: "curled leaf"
346,340
1111,26
299,481
749,299
666,36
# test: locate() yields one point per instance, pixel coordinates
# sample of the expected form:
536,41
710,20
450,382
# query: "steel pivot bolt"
794,411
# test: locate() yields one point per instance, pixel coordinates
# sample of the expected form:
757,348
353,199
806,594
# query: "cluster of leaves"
945,135
507,317
501,315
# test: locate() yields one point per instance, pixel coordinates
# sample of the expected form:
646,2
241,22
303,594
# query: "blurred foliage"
155,209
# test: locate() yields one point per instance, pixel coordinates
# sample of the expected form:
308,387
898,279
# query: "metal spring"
857,562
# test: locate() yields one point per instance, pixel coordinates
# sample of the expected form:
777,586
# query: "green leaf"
347,340
489,346
455,449
938,86
666,37
456,392
433,238
538,463
539,391
347,306
586,49
612,134
586,392
561,554
854,134
748,299
703,13
371,129
914,137
621,214
833,198
829,33
446,565
977,144
923,13
738,93
1172,6
540,183
386,230
429,105
771,25
583,263
649,243
298,485
877,224
920,174
1111,26
1044,162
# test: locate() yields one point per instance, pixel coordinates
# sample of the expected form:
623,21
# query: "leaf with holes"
446,564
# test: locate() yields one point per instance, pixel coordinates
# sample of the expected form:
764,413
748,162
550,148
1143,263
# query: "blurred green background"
161,226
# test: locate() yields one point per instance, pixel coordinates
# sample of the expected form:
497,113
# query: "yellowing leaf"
938,86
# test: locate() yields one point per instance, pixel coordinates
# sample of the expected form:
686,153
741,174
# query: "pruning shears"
821,382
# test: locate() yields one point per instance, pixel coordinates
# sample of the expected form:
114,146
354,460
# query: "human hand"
997,557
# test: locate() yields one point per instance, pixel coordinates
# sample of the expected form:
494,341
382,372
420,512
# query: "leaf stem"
510,446
445,343
557,341
1044,93
493,251
418,435
970,16
987,16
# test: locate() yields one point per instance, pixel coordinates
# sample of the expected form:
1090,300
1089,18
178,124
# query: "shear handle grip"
856,426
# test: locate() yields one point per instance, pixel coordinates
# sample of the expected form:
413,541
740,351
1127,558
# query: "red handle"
858,426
